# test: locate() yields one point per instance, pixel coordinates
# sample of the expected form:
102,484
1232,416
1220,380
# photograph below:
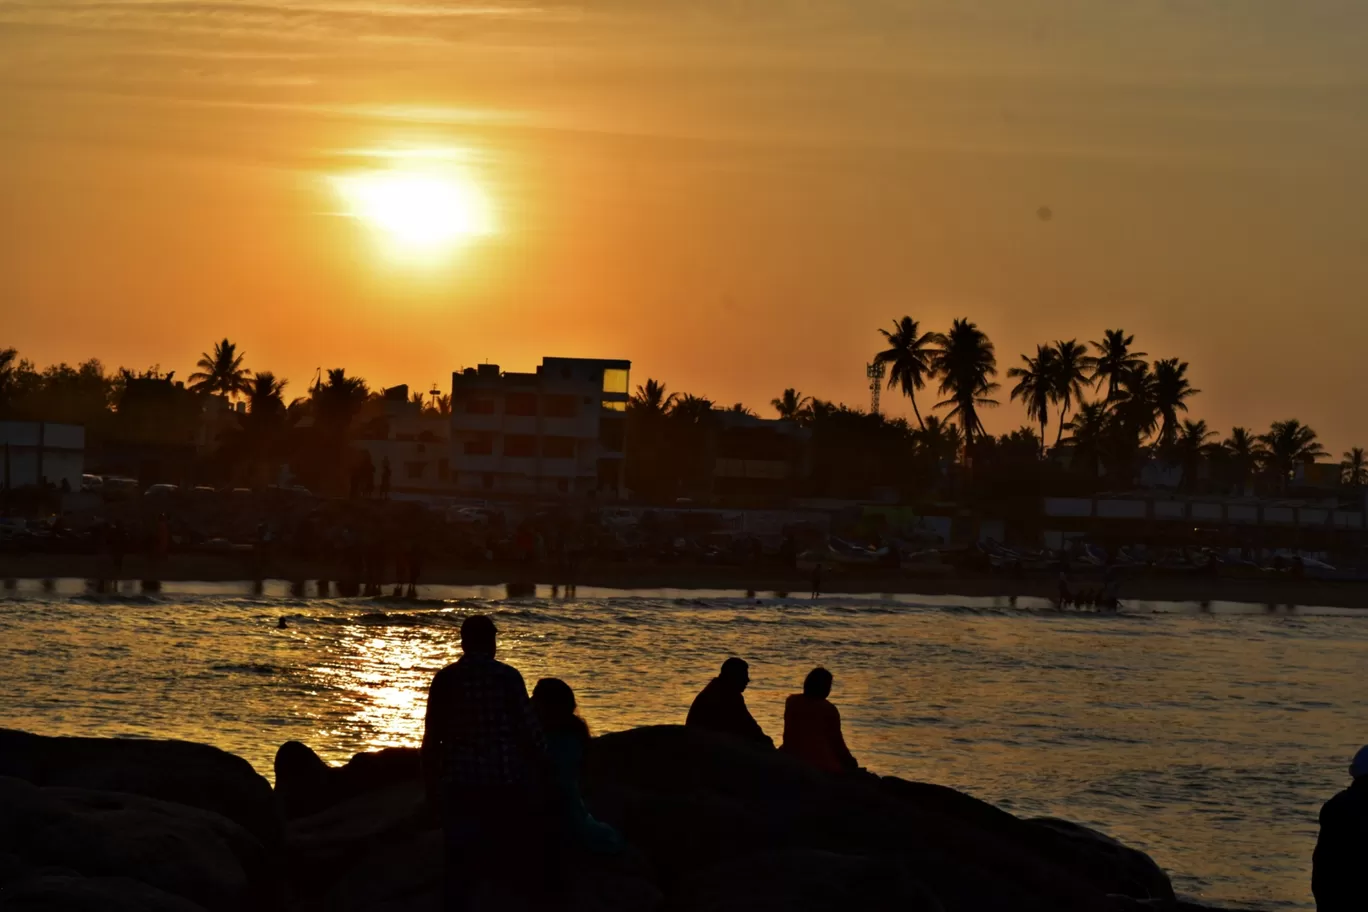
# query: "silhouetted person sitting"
567,738
812,727
485,766
1339,877
720,706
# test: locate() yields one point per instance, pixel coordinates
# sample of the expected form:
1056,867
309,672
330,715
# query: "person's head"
817,684
1359,767
478,635
735,673
555,706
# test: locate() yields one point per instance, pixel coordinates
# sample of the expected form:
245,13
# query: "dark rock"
72,893
1114,867
688,798
191,774
712,823
305,784
379,769
54,836
807,880
302,780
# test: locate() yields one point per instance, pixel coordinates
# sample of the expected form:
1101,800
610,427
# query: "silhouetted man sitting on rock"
485,766
1339,877
812,727
720,707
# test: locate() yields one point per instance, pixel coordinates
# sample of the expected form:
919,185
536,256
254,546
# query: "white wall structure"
36,451
559,431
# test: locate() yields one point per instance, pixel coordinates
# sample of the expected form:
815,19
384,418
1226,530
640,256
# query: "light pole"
875,372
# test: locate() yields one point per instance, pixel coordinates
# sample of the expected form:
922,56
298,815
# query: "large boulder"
806,880
305,784
1113,866
73,893
693,799
196,775
52,838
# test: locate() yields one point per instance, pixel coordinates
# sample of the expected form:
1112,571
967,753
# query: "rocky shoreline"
124,825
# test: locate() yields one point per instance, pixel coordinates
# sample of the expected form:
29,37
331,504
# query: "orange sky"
734,196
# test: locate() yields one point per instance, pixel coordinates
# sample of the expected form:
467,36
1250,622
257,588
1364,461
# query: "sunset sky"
734,195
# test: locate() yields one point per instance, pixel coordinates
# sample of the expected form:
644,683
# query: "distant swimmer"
282,624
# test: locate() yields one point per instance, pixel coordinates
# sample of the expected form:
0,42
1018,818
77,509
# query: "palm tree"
1069,371
938,440
8,374
691,409
221,372
793,405
966,364
266,395
1171,392
338,400
1088,432
912,355
1354,468
1114,360
439,407
1241,450
1036,385
1190,446
739,408
1286,444
653,399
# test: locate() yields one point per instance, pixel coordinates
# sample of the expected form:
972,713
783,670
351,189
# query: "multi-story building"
559,431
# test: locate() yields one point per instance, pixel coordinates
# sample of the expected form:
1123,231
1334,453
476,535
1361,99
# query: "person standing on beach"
1339,867
486,769
720,706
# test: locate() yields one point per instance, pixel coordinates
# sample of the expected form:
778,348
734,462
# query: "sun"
419,209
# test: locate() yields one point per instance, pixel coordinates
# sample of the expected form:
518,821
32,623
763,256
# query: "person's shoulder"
445,679
506,672
1342,804
447,672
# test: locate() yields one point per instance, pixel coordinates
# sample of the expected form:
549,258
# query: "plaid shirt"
480,725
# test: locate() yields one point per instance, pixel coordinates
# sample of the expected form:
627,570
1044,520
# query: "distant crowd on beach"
503,768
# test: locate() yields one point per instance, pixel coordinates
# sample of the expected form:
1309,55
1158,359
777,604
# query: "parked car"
161,490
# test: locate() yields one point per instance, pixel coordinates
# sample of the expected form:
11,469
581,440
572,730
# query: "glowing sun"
418,210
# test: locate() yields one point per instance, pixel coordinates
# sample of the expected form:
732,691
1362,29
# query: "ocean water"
1205,735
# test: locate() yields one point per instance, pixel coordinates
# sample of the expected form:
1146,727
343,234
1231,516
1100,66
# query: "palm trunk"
916,411
1042,440
1059,434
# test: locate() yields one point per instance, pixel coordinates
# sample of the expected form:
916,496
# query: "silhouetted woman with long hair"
567,738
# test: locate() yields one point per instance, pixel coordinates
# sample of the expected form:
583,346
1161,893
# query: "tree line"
1111,409
126,412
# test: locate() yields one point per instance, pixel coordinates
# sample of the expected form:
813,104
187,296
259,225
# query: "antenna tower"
875,372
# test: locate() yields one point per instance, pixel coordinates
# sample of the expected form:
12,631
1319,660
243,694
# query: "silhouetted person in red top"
720,707
812,727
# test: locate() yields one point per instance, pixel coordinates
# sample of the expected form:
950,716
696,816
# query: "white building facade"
37,452
560,431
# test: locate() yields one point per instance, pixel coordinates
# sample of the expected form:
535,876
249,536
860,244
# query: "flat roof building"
559,431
